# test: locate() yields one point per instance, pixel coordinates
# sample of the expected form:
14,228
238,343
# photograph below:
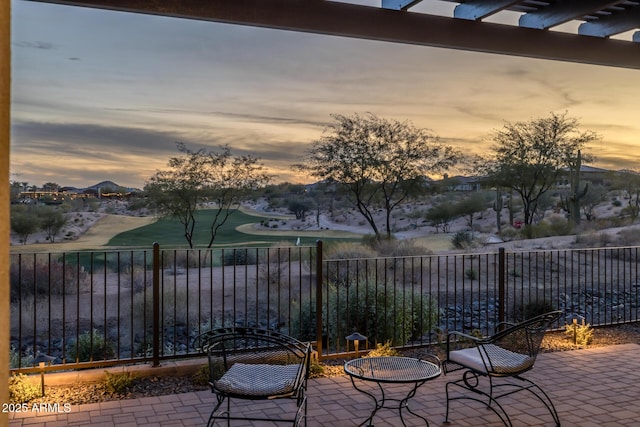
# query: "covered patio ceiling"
412,22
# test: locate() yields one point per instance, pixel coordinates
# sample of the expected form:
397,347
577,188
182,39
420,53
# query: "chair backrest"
228,346
514,349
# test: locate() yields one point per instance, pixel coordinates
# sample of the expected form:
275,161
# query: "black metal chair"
501,359
255,364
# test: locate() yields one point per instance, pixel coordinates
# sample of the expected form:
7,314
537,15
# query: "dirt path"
96,236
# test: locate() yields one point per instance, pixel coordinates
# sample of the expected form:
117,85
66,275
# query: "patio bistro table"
392,370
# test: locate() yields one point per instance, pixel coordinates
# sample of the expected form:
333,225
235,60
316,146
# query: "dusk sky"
100,95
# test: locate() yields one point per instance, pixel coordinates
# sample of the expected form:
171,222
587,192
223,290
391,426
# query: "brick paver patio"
590,387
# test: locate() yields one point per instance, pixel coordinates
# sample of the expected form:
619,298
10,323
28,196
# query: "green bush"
91,346
381,313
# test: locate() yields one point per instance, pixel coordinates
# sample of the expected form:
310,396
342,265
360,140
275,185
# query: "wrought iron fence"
146,305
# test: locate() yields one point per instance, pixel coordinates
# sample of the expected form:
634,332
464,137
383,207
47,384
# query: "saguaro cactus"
576,193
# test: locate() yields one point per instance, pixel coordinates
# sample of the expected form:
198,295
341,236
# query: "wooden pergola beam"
398,26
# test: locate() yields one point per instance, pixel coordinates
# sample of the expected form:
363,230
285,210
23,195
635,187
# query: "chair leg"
470,382
489,401
543,397
212,418
301,413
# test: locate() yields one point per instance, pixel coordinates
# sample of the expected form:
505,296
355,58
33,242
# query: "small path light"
41,360
574,324
356,337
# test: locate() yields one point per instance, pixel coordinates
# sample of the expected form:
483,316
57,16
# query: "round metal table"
392,370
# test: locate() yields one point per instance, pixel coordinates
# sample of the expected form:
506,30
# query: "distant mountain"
110,185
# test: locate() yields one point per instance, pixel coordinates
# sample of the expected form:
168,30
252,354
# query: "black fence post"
501,285
156,305
319,298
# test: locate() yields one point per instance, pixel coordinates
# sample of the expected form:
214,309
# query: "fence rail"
146,305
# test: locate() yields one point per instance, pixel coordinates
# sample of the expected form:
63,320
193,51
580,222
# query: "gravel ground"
155,386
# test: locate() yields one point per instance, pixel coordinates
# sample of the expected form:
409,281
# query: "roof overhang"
394,22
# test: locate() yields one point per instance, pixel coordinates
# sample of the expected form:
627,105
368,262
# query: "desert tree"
628,181
198,177
52,221
379,163
299,207
595,195
473,203
24,221
440,216
529,157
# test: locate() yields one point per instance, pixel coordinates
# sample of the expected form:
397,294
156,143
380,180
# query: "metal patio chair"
500,360
255,364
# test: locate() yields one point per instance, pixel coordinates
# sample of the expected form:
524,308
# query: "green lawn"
170,233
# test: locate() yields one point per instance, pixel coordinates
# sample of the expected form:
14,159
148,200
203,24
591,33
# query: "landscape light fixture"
356,337
41,360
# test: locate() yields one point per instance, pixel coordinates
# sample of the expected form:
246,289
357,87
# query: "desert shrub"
17,359
383,350
201,376
347,262
509,233
628,237
91,345
140,279
239,257
316,370
22,389
580,333
400,248
347,250
273,273
462,240
380,312
593,240
117,383
535,308
370,240
559,226
36,277
554,226
616,203
471,274
187,258
286,251
536,231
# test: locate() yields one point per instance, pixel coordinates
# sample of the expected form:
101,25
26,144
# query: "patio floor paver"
590,387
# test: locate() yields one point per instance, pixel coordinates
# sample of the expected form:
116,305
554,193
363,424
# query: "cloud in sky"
102,95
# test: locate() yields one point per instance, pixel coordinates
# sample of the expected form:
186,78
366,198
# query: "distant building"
462,183
592,174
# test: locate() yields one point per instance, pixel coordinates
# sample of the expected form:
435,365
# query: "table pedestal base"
384,399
